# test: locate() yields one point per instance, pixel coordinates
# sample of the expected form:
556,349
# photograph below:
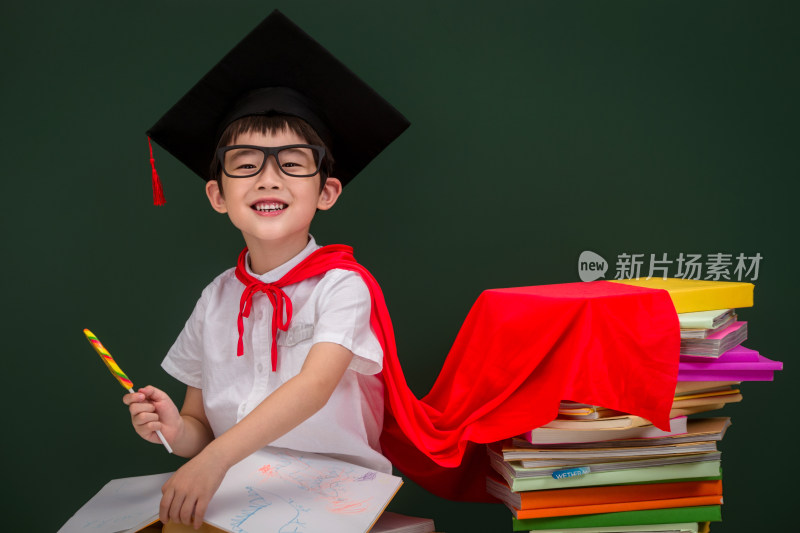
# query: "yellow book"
690,295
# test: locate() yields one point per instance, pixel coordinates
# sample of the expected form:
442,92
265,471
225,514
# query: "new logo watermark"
591,266
717,266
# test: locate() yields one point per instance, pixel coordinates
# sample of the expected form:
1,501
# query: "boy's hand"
152,409
187,493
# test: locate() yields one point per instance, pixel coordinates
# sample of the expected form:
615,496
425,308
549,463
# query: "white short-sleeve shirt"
332,307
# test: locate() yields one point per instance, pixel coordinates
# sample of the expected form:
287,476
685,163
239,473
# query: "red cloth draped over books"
519,353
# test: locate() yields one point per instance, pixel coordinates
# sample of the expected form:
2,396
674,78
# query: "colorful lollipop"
117,372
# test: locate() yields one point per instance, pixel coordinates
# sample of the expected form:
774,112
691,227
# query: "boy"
304,373
308,354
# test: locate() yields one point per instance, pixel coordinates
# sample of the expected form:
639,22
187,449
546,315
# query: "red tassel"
158,192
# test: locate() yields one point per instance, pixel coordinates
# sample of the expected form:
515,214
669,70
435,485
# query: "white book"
545,435
272,490
525,470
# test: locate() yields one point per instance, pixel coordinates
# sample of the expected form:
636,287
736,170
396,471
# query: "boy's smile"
269,208
273,210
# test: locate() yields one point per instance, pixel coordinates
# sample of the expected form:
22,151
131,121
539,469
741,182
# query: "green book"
704,513
705,469
703,319
683,527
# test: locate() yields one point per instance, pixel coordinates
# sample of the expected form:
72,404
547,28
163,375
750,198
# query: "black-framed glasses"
296,160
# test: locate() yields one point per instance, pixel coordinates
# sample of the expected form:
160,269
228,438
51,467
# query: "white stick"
160,436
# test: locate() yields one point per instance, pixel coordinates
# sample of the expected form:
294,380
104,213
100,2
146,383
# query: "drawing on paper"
291,492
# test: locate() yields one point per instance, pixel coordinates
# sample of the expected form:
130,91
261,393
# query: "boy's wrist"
217,453
180,428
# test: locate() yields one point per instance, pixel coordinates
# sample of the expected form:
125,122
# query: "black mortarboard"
278,68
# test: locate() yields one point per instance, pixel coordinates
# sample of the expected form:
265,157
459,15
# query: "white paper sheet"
121,505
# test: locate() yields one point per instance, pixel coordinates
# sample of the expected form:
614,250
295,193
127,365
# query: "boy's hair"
271,124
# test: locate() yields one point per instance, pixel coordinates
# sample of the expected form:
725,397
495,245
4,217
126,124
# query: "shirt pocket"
295,334
293,347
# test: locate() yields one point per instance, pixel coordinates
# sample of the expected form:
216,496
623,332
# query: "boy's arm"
196,430
187,493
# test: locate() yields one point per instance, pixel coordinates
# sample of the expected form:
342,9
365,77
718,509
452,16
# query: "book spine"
705,513
724,296
618,507
641,475
619,493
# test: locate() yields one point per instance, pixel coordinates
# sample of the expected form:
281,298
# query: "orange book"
583,496
616,507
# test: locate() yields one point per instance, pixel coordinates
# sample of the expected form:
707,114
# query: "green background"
539,130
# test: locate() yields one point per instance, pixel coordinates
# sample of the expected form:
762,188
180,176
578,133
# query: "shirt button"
260,367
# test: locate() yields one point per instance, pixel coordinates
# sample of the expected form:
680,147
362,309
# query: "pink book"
716,344
737,364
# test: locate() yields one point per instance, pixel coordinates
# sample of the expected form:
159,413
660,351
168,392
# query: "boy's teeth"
270,207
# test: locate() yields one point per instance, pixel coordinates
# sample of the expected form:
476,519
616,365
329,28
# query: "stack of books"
589,478
594,469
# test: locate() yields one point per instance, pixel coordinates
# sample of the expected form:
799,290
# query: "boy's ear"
215,196
330,193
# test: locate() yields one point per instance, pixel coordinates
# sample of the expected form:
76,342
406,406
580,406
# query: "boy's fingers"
146,425
138,408
145,418
186,511
167,501
175,509
132,398
199,512
163,508
153,394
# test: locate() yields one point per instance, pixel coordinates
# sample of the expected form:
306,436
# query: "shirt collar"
278,272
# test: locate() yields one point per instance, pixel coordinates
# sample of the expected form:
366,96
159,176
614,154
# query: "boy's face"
272,208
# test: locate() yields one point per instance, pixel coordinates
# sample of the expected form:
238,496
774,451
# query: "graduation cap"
279,69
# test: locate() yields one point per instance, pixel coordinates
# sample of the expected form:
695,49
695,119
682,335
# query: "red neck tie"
321,260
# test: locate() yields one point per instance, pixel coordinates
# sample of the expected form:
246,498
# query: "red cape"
519,353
